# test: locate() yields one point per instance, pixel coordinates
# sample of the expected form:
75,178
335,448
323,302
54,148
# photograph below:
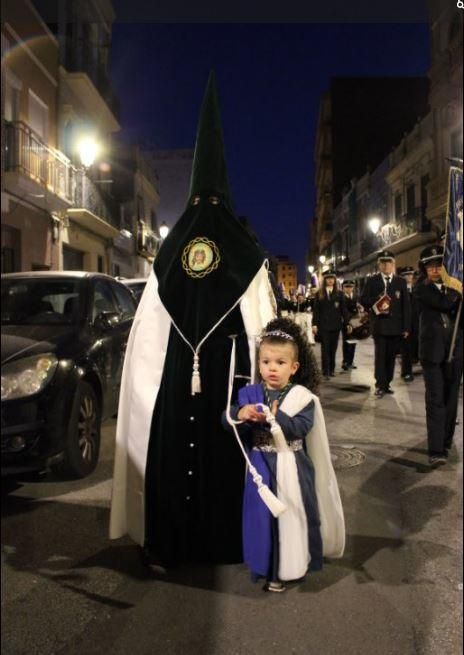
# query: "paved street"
67,589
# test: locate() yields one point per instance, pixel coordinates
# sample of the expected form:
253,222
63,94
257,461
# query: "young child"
285,548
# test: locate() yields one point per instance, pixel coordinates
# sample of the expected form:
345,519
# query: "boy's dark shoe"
438,460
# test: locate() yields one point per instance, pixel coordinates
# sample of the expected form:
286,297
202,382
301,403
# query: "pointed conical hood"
208,259
209,174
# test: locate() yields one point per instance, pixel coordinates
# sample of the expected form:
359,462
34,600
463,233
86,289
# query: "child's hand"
250,413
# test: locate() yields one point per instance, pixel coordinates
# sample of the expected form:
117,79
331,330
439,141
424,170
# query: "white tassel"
276,431
274,505
196,381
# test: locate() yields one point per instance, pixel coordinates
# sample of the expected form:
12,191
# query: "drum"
360,327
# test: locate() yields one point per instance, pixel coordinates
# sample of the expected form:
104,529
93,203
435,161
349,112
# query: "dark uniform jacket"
351,304
437,315
398,320
330,315
294,306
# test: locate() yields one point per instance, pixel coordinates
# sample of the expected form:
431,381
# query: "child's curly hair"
308,373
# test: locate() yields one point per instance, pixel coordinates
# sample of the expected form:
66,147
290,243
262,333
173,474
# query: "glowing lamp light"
374,225
310,270
88,150
322,259
164,230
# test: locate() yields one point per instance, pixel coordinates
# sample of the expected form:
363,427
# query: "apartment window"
12,89
100,264
38,116
140,208
410,199
456,144
398,206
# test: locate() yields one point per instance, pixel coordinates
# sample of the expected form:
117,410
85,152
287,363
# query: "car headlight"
27,376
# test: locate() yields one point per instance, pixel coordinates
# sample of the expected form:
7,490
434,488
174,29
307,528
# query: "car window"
137,290
103,299
33,301
125,301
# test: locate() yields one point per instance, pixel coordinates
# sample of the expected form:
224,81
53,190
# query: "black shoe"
345,367
408,378
438,460
389,390
379,393
353,366
326,377
332,374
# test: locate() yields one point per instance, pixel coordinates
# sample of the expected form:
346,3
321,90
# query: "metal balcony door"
73,260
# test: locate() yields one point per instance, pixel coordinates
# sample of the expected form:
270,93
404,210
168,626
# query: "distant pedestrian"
282,439
386,298
351,302
438,306
410,345
330,315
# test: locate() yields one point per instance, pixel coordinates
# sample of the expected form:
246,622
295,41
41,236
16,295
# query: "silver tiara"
277,333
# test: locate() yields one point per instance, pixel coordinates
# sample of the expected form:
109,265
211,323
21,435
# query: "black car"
136,285
64,336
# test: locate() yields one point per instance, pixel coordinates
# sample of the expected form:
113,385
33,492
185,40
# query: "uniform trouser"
407,355
329,343
386,349
348,351
441,402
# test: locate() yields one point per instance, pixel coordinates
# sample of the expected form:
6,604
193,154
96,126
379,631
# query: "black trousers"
406,356
348,351
329,343
441,402
386,349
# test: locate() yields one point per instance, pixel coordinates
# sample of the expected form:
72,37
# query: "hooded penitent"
178,479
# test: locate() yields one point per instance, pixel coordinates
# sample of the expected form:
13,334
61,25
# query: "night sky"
269,77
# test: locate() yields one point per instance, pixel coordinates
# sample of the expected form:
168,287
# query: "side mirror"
106,320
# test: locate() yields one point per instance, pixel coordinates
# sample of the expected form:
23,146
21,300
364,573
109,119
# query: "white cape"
141,380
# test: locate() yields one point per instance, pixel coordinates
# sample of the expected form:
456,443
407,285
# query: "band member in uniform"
329,316
438,307
351,302
386,298
409,346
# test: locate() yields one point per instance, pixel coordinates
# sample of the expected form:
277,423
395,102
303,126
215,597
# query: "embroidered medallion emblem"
200,257
336,303
398,294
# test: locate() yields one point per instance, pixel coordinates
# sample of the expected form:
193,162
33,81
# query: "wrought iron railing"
25,152
413,221
90,197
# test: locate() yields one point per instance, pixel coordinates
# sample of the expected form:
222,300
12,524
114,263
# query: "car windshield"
137,289
44,301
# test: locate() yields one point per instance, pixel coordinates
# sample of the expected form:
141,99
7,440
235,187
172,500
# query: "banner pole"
455,332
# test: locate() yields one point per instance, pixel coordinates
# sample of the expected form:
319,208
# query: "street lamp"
322,259
163,230
374,225
310,270
88,150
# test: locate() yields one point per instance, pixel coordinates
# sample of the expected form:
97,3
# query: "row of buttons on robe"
192,445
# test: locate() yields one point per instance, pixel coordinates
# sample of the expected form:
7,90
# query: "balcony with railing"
93,208
408,224
40,171
413,222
